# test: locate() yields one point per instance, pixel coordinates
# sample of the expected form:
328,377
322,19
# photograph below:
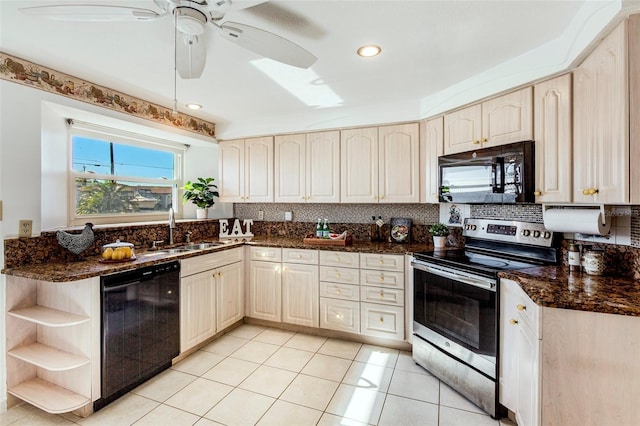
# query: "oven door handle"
487,285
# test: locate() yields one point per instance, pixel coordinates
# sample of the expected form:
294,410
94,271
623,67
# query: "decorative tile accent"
523,212
29,74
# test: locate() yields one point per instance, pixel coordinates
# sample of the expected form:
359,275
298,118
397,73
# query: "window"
117,176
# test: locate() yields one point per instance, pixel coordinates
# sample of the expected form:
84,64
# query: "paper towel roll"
584,221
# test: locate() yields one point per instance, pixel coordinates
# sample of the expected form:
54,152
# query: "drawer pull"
381,319
338,291
381,293
381,260
513,321
337,275
299,256
381,277
521,307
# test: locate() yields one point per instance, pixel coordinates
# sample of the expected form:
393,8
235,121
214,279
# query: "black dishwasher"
140,327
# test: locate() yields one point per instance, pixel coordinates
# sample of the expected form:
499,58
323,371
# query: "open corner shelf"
49,358
48,397
49,317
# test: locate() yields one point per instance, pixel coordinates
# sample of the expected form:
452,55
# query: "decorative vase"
202,213
439,242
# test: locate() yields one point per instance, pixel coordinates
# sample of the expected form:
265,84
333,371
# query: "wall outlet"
260,214
24,228
288,216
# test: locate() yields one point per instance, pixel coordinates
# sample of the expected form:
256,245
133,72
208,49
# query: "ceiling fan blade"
191,55
268,44
87,12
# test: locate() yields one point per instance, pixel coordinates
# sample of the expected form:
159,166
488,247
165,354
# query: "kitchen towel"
576,220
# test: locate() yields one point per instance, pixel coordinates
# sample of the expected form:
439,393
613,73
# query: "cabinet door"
197,309
601,132
259,169
552,105
300,294
229,294
323,167
398,163
508,374
463,130
359,165
431,147
265,291
528,411
231,186
508,118
290,168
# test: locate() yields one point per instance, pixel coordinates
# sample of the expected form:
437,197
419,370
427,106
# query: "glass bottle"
574,258
319,232
325,229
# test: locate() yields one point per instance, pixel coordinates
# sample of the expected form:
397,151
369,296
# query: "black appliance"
456,303
140,327
502,174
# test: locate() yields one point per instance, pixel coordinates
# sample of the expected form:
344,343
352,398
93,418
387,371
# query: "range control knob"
546,235
526,232
473,227
536,234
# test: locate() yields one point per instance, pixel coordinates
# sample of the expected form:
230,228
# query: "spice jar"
593,263
574,258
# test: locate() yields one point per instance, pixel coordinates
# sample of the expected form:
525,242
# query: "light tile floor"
265,376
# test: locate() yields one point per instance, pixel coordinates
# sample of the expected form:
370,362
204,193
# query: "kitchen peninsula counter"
93,266
555,287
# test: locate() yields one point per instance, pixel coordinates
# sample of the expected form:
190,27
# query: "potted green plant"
202,194
439,232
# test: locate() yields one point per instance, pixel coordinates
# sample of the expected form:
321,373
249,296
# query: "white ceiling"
429,47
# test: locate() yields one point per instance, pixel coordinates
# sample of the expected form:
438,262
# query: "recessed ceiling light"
194,106
369,50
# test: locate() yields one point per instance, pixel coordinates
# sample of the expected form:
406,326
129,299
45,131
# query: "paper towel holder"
604,210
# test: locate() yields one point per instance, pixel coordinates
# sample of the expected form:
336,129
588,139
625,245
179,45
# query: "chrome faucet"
172,225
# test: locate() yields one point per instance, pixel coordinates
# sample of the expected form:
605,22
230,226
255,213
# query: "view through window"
118,178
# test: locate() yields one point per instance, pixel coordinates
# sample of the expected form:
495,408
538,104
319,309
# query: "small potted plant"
202,194
439,232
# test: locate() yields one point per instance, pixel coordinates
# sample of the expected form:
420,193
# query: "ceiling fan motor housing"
189,20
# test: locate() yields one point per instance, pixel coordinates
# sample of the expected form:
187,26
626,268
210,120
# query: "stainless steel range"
456,303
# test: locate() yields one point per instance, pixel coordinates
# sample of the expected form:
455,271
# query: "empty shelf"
49,317
49,358
48,397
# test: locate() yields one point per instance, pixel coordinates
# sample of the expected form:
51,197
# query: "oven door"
457,312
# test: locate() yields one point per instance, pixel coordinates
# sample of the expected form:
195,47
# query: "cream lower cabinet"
553,136
211,295
265,284
382,295
497,121
340,291
307,168
246,170
380,164
300,287
567,367
53,344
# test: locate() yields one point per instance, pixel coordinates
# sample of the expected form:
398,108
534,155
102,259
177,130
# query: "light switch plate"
24,228
288,216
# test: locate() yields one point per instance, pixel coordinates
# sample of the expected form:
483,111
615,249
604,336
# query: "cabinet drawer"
342,315
300,256
339,258
339,275
339,291
266,254
382,278
382,321
388,296
206,262
388,262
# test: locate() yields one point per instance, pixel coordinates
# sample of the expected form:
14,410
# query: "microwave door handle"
499,169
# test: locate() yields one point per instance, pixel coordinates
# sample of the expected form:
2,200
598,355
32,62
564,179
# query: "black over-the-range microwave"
501,174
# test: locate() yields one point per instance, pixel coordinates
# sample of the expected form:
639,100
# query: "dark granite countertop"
555,287
93,267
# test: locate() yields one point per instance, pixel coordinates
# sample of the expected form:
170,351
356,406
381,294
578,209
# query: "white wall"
34,156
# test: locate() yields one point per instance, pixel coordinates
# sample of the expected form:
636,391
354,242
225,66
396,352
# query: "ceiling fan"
191,18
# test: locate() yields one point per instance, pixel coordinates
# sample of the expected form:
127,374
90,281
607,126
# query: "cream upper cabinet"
246,170
498,121
431,147
380,164
307,168
552,130
601,123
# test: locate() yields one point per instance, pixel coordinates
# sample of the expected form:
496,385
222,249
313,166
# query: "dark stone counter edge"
93,267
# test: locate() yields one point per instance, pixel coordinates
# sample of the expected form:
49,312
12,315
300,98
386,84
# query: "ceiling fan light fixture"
194,106
190,21
369,50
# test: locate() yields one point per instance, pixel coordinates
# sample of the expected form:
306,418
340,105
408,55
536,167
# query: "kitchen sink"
201,246
177,250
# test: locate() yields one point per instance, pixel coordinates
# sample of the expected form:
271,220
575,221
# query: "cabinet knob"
299,256
483,140
375,197
381,277
521,307
513,321
381,293
381,197
381,319
302,198
537,193
338,291
476,142
337,275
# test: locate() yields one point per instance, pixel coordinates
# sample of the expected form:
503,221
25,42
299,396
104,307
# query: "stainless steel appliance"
140,327
502,174
456,303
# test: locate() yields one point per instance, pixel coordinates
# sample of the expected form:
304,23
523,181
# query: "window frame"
122,137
